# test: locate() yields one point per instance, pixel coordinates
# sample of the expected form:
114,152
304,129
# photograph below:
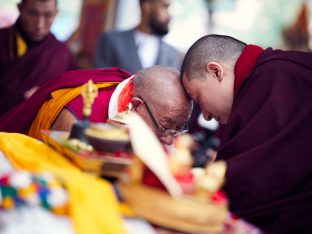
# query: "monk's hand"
30,92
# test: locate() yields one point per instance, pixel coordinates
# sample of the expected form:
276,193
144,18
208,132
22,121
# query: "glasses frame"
161,129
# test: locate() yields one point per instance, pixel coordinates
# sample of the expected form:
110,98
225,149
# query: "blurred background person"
296,36
30,55
246,19
141,46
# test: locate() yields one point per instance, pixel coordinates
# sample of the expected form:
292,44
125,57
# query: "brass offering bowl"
107,138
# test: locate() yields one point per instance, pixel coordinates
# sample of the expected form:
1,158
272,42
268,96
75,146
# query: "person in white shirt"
142,46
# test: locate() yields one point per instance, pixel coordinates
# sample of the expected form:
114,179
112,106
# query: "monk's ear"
215,69
136,102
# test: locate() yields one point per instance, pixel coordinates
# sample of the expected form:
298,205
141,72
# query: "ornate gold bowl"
107,138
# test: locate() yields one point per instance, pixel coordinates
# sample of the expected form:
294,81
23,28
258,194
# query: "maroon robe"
267,144
20,118
42,62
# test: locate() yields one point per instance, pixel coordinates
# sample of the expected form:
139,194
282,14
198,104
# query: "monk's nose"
40,22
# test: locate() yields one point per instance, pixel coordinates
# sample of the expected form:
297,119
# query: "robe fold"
20,118
40,63
266,143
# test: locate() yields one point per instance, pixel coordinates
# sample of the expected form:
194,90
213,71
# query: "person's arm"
64,121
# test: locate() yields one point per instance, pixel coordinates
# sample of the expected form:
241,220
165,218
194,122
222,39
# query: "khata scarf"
121,97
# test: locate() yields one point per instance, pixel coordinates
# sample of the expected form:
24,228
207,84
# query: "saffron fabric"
51,108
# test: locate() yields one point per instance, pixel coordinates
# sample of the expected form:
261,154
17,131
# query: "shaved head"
210,48
159,77
159,89
166,86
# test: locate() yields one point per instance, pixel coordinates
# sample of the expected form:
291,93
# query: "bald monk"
155,93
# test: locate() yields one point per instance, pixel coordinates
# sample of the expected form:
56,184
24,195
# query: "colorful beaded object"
21,188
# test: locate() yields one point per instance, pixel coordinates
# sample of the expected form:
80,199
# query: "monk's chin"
37,37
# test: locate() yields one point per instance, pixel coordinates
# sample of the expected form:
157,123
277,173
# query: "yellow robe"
93,207
52,107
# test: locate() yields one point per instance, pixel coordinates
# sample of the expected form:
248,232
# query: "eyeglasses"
161,129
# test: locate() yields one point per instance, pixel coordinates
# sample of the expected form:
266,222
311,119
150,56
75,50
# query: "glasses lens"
180,132
161,129
175,132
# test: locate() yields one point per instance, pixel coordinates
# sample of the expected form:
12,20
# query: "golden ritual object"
107,132
88,92
209,180
105,137
215,172
78,145
93,147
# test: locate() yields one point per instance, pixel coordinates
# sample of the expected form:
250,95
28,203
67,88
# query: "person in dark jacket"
142,46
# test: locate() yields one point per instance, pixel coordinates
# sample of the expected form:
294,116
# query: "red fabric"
219,197
150,179
125,96
245,64
99,113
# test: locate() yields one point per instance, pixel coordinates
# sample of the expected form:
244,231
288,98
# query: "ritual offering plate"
108,138
110,164
181,213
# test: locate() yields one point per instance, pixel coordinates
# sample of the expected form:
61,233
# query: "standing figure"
30,54
142,46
